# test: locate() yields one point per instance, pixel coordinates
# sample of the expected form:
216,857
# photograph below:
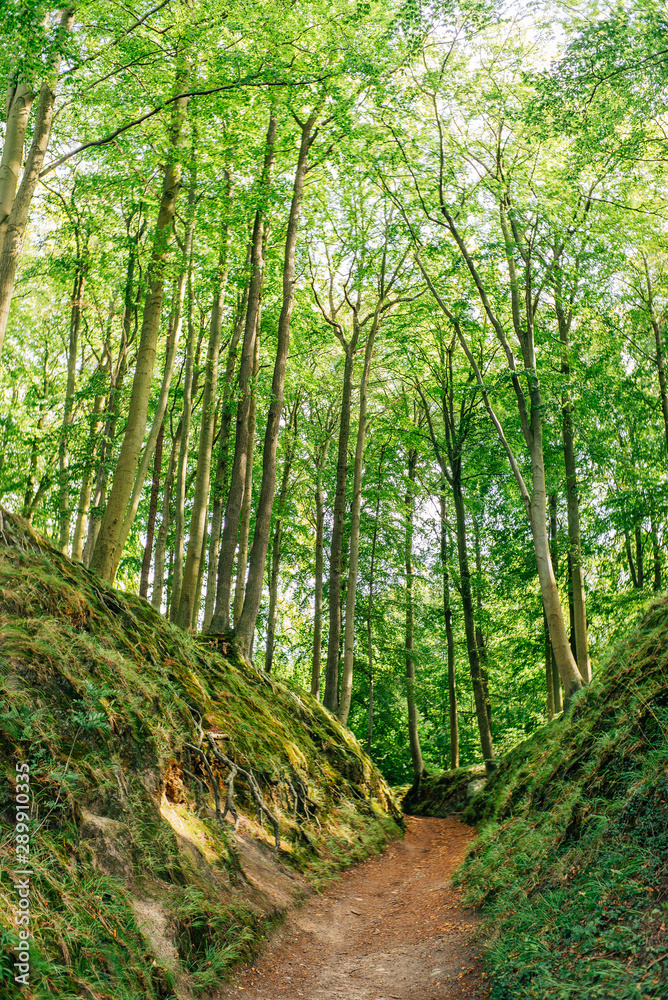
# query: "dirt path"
392,929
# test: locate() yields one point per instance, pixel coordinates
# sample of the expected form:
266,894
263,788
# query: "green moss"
100,695
571,866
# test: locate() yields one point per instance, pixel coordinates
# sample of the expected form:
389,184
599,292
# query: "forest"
337,332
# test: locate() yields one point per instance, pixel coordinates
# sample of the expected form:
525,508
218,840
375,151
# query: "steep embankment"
139,891
571,867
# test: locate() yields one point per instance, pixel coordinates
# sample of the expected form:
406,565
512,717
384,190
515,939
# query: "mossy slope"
138,891
571,867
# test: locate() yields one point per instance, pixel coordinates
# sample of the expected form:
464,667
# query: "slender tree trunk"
220,621
316,661
65,512
152,512
629,558
246,628
189,393
278,536
548,672
188,604
469,626
107,552
479,635
640,569
245,519
369,625
161,542
573,512
220,475
413,735
554,683
660,361
17,218
87,478
331,698
450,642
173,337
656,553
353,562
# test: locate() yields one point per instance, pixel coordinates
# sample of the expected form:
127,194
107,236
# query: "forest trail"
392,929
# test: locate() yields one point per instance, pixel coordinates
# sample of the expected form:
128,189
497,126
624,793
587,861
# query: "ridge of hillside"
141,887
570,868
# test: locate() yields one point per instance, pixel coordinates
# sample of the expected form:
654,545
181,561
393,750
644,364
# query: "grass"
100,695
570,870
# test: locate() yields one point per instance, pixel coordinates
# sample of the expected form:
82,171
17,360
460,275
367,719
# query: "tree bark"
187,605
220,621
246,628
290,445
353,562
220,475
316,660
165,523
573,508
65,512
18,105
87,477
189,393
413,735
107,552
331,698
450,642
245,518
640,568
152,512
17,218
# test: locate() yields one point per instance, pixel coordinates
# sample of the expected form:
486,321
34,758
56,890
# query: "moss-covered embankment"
571,865
139,890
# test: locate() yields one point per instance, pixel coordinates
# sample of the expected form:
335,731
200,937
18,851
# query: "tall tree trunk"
316,660
65,512
220,475
369,625
18,104
656,553
658,340
189,393
629,558
107,552
548,672
17,218
555,681
165,524
173,337
353,562
479,635
640,568
450,641
87,477
469,625
331,698
188,604
245,518
413,735
246,628
220,621
152,512
573,510
290,444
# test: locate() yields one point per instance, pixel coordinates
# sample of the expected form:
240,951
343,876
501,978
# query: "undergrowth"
571,866
100,695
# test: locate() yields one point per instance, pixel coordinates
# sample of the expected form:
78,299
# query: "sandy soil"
392,929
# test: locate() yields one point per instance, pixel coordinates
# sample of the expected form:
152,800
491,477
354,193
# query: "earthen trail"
392,929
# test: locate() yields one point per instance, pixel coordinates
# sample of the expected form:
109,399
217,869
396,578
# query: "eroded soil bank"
392,929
